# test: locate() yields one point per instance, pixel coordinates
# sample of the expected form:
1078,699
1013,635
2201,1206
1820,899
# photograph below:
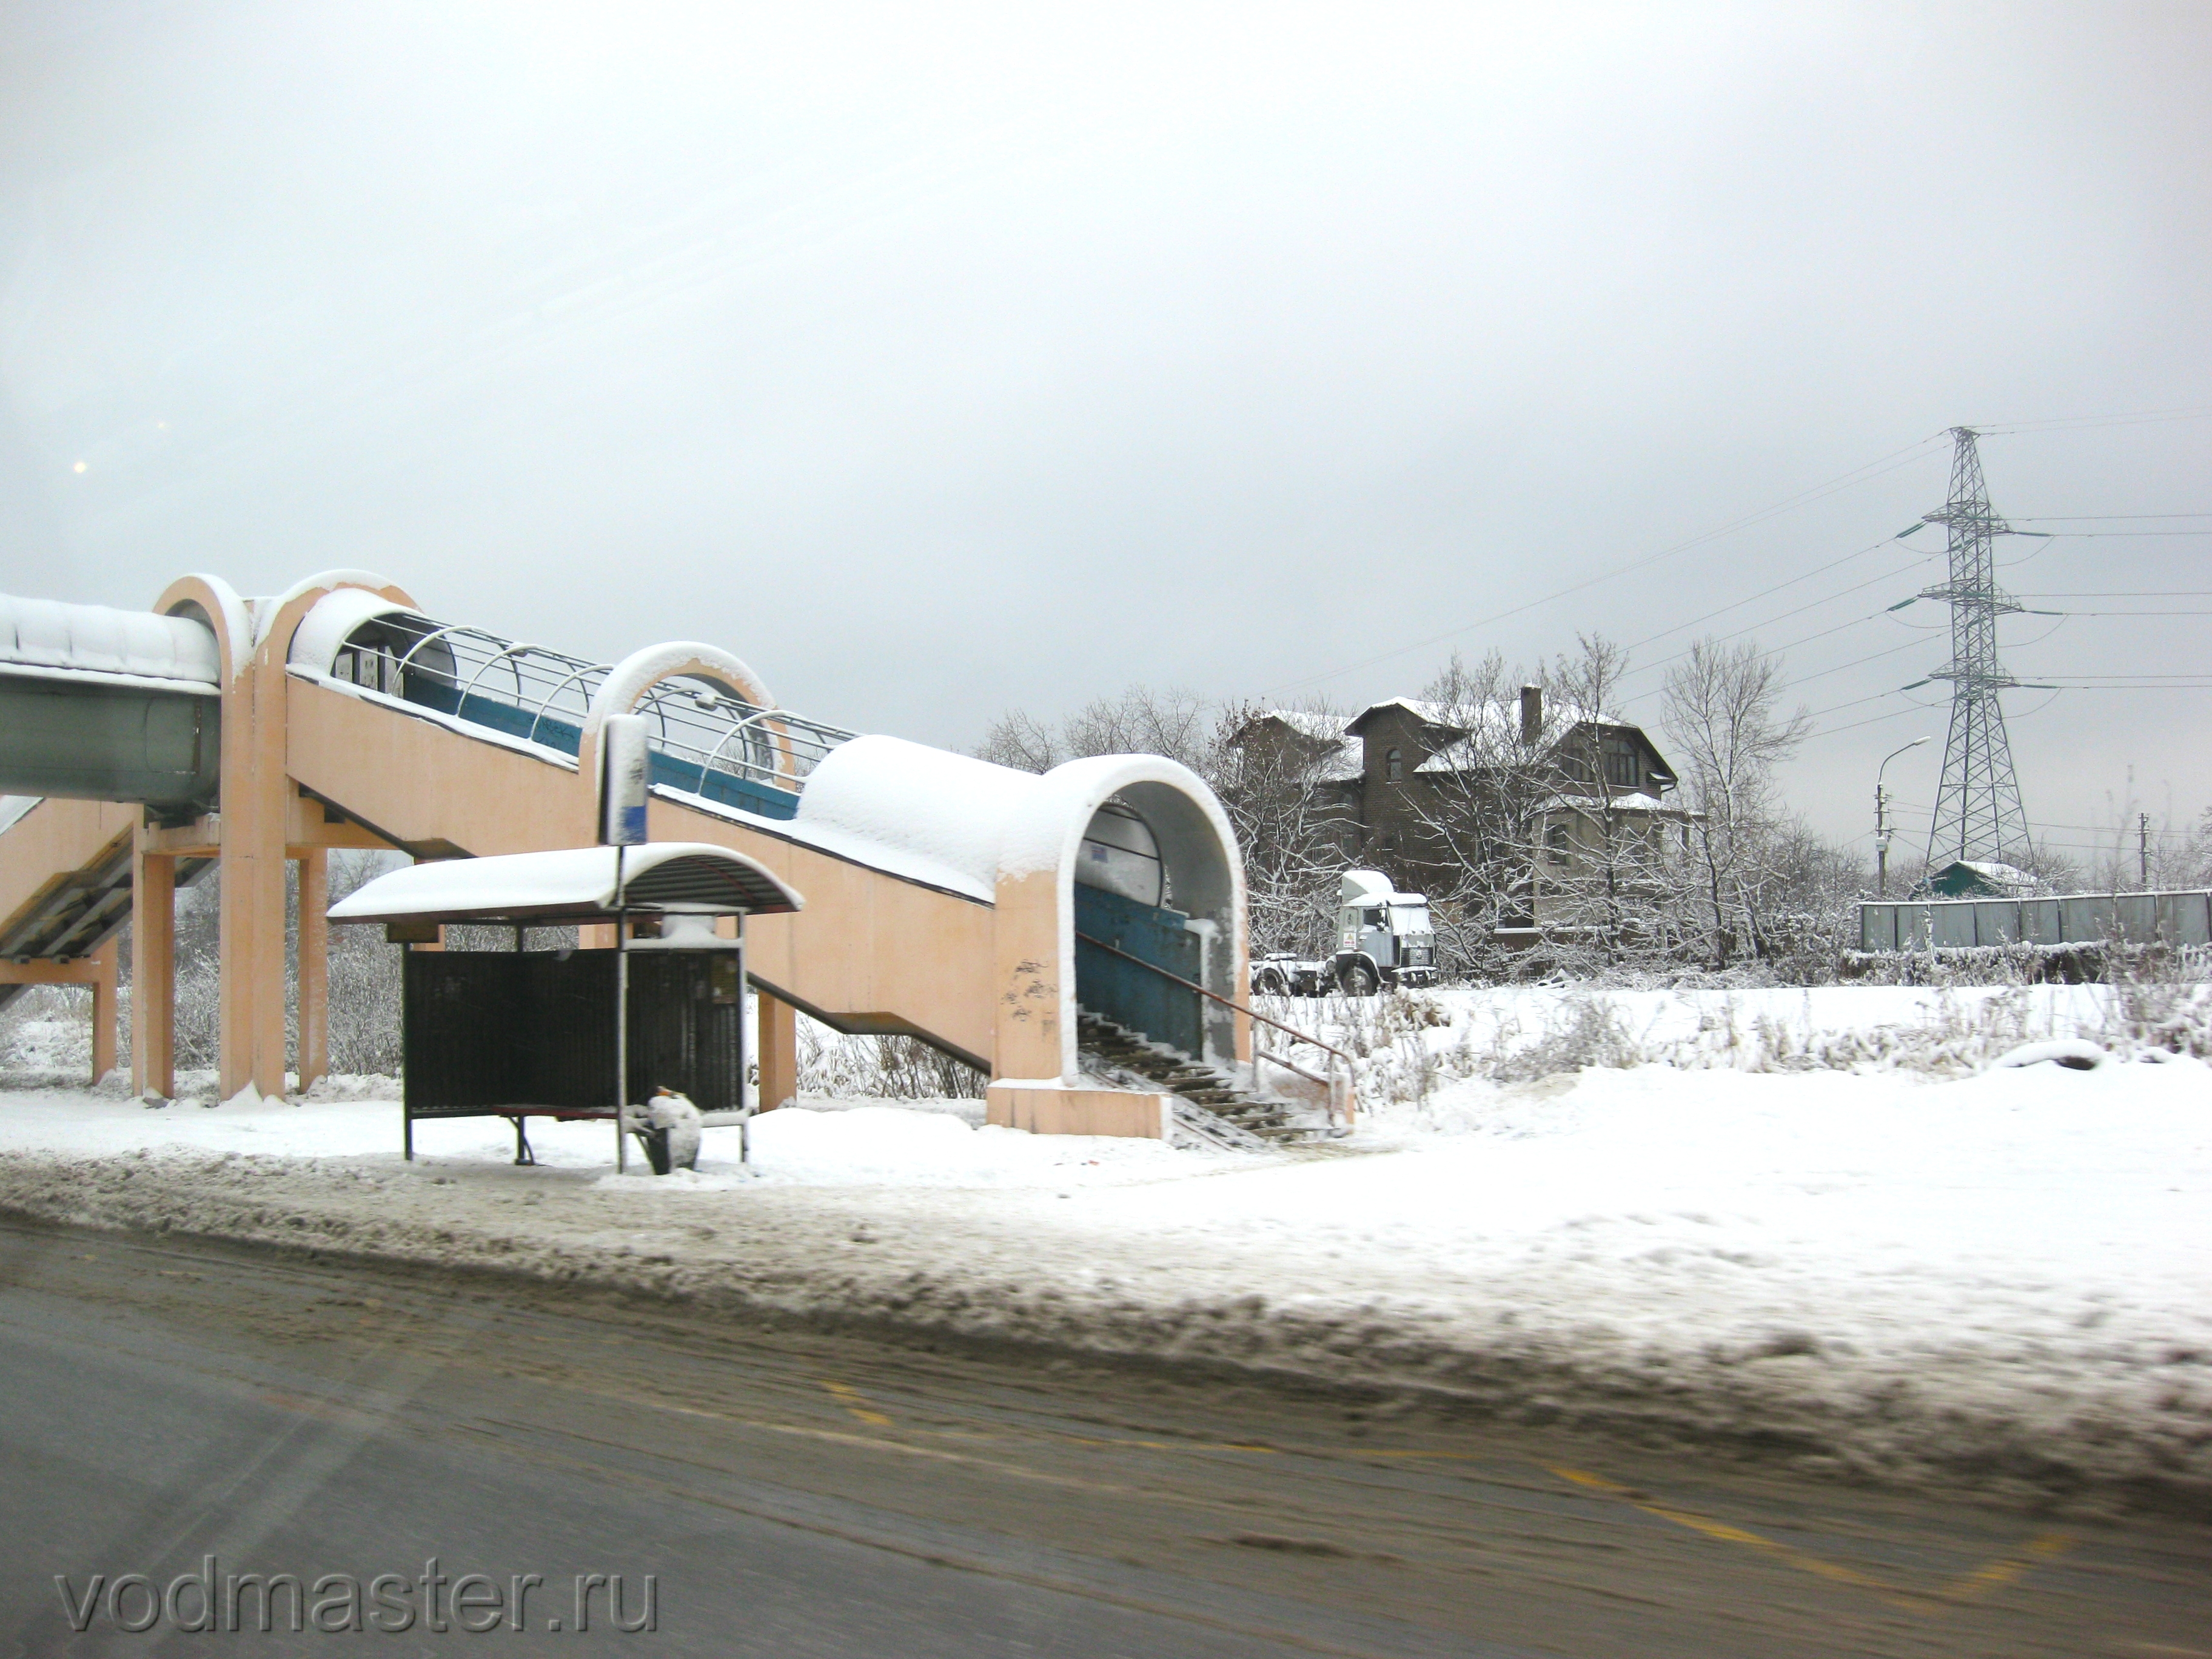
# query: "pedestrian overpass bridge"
145,749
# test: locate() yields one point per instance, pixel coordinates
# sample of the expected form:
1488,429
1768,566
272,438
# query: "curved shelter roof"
574,884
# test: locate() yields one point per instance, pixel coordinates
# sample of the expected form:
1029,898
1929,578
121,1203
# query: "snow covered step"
1224,1113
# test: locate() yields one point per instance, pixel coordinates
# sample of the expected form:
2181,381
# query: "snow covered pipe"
101,704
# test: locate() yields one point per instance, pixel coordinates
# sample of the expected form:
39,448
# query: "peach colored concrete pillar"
314,965
779,1052
1029,1042
152,971
251,919
257,811
103,1008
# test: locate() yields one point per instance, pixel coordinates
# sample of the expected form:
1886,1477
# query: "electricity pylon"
1978,810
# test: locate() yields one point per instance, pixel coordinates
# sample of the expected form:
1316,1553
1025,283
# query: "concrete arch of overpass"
940,889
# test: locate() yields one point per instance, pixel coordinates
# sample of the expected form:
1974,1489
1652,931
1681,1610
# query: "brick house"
1587,806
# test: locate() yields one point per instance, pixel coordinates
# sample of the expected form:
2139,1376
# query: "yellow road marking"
1998,1574
1156,1445
846,1397
1971,1587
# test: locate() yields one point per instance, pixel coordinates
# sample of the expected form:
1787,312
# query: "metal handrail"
772,747
1260,1053
515,652
408,660
575,676
753,725
1291,1032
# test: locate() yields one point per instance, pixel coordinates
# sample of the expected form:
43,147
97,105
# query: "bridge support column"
778,1041
152,971
103,1008
256,800
314,965
97,974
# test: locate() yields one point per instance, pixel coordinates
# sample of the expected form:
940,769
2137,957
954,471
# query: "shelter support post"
314,965
152,971
622,1036
779,1052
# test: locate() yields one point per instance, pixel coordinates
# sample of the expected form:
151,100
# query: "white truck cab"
1383,937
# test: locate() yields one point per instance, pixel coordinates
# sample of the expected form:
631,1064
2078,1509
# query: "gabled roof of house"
1469,731
1497,726
1429,713
1345,761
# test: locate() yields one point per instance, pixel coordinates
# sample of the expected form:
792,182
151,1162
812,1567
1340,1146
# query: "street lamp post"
1881,821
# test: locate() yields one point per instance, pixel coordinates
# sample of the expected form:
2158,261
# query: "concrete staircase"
1211,1106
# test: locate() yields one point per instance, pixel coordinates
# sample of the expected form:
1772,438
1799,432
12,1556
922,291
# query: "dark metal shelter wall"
489,1032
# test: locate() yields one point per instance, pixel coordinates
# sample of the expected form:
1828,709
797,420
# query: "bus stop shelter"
571,1033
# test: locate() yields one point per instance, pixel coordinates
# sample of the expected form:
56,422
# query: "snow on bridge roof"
574,884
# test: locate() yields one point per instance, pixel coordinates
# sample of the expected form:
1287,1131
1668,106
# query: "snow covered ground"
2002,1279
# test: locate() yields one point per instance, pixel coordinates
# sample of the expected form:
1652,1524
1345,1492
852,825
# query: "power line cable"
1752,627
1635,645
1859,475
2077,422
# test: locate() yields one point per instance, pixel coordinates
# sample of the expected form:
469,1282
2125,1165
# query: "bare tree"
1811,914
1275,773
1174,722
1618,871
1480,808
1723,713
1016,739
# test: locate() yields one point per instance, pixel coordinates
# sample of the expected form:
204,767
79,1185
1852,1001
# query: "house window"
1556,844
1392,766
1620,767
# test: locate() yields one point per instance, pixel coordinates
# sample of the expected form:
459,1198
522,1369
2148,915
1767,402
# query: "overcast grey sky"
942,359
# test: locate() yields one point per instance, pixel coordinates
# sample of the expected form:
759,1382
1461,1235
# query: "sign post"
623,772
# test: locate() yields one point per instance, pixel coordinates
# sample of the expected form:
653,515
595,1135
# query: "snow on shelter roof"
573,884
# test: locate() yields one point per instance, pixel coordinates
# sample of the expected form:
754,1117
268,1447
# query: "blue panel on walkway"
727,788
1121,990
670,771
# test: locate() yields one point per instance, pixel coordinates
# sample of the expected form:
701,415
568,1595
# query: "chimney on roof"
1532,715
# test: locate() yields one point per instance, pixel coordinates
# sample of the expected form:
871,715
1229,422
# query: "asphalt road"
794,1493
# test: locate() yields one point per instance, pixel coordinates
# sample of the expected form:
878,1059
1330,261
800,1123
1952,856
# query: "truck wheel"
1359,980
1273,984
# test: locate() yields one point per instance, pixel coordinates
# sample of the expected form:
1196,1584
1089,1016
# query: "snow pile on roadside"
1998,1281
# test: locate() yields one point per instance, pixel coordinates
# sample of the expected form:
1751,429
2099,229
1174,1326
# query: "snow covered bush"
838,1067
1408,1048
48,1028
2161,1001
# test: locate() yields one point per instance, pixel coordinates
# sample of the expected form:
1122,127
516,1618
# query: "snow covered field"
2000,1278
